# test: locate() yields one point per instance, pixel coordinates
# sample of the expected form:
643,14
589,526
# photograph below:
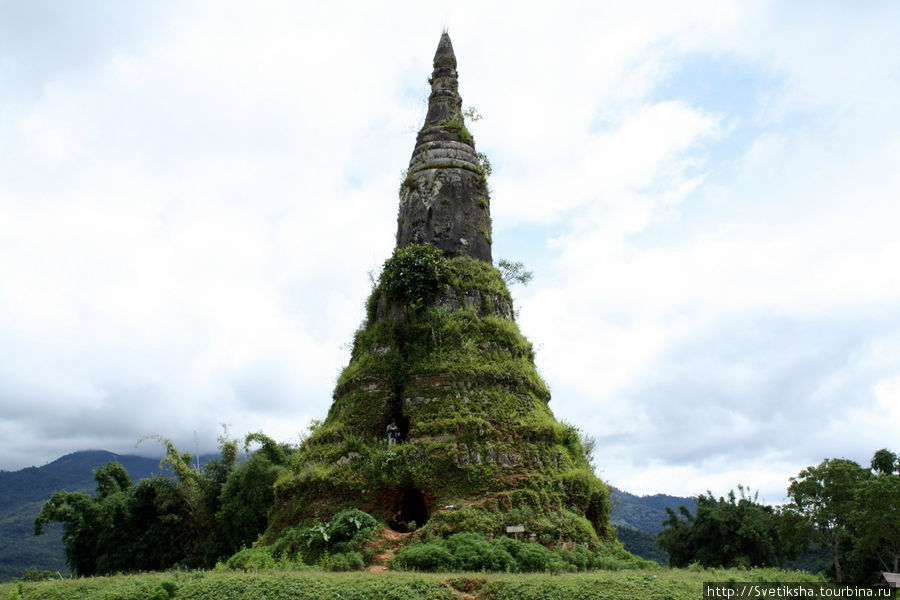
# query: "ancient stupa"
440,355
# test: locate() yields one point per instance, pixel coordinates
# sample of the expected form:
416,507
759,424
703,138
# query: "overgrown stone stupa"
441,356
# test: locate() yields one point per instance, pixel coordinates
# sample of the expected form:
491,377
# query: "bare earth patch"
384,547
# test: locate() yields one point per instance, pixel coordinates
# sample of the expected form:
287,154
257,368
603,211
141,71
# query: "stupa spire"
444,199
440,365
444,103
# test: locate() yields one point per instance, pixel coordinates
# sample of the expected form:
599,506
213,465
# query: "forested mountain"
644,513
22,493
639,518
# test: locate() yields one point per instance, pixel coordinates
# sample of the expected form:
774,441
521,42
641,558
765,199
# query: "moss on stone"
482,445
458,126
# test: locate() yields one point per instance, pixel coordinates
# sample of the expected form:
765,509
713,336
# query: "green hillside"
643,544
644,513
638,519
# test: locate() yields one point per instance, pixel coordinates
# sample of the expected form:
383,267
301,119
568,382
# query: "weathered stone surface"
444,200
484,303
347,458
362,384
466,454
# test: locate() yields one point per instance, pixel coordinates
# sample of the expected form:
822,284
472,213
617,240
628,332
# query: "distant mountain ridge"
639,518
73,472
23,492
645,513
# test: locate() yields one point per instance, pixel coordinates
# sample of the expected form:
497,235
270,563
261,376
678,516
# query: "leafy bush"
347,524
334,544
251,559
192,519
580,558
247,495
473,552
415,275
163,591
533,558
424,557
343,561
39,575
291,542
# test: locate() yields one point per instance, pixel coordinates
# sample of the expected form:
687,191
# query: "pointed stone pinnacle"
444,104
444,57
444,199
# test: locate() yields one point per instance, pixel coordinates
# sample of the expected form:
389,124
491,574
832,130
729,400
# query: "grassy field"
661,584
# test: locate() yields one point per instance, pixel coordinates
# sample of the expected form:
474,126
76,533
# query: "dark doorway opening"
410,509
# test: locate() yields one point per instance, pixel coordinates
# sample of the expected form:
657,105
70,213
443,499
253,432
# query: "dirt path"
384,546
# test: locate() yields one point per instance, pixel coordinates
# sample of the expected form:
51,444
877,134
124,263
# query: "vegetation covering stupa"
441,356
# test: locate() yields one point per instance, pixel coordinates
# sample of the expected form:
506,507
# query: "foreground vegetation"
659,583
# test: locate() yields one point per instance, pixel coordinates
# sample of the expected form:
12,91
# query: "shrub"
468,518
580,558
347,524
471,552
38,575
164,591
343,561
251,559
291,542
415,275
309,541
424,557
532,558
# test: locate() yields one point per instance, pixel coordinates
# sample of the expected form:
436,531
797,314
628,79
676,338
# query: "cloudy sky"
192,194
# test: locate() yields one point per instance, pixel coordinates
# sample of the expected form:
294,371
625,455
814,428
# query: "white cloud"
191,197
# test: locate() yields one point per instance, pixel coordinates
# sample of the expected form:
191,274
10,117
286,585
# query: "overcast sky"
192,194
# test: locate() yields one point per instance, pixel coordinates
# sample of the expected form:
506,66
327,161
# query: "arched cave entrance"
412,507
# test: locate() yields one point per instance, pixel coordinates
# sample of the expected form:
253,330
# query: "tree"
513,272
197,499
876,519
159,518
111,478
80,517
724,533
884,461
676,539
193,518
825,496
96,534
248,493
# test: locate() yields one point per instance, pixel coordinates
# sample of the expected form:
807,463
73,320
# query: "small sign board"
515,529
